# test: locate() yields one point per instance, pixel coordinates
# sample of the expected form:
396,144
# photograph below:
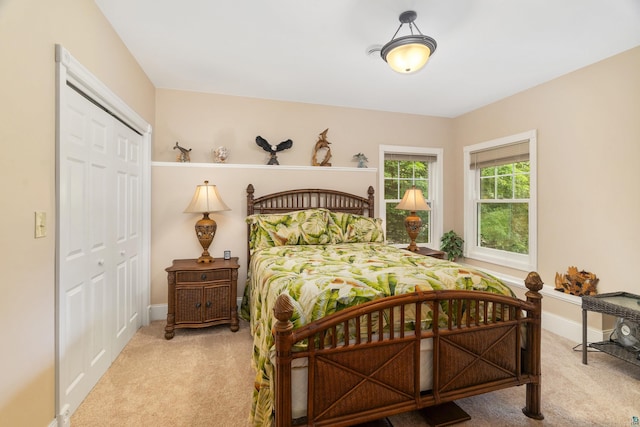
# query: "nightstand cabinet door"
188,305
217,303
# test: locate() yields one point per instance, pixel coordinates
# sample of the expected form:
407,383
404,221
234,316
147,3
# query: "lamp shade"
206,199
413,200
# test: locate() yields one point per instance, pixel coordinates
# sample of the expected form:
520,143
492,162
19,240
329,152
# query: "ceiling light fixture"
408,54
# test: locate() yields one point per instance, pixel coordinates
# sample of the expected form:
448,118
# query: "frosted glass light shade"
408,58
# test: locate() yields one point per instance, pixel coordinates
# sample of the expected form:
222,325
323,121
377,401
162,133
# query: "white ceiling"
315,51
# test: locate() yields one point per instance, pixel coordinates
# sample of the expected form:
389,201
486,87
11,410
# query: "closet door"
99,244
128,239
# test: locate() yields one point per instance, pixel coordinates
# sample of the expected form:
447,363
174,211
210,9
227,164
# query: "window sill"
517,282
503,259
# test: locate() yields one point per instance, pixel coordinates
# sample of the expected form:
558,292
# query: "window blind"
410,157
512,153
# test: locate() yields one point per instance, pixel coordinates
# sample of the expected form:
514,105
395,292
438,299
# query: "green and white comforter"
323,279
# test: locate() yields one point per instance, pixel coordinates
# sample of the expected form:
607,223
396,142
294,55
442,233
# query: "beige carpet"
203,377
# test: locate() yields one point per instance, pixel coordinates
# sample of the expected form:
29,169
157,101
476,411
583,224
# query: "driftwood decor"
577,282
322,149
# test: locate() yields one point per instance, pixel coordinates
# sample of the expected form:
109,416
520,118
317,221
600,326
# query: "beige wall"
588,125
29,29
205,121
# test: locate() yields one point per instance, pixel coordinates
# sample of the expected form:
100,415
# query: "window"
403,168
500,201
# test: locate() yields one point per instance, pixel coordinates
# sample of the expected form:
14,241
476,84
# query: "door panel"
83,281
98,302
129,240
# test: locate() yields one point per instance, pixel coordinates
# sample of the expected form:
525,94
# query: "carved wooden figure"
322,147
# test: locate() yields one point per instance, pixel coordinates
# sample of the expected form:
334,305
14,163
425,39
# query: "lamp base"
413,223
206,259
205,231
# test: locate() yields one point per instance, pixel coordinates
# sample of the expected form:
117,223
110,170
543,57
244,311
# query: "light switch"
41,224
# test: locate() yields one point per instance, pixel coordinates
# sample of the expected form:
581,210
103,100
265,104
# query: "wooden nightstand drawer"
202,276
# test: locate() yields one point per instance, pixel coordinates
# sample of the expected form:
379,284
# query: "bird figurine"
273,149
184,153
362,160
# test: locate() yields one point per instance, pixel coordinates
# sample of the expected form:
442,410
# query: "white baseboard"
571,330
157,312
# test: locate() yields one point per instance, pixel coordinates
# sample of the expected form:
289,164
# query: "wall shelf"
264,167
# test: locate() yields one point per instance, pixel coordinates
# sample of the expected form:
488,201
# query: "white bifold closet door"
100,242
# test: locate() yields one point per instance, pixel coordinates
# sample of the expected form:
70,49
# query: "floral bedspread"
323,279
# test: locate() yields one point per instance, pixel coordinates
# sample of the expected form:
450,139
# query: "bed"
348,330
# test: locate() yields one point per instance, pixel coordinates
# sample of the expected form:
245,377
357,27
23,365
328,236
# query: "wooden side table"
202,294
423,250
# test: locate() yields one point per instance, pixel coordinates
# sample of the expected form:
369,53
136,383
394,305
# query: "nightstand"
423,250
202,294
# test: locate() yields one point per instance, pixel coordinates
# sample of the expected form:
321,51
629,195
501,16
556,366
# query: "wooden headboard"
297,200
301,199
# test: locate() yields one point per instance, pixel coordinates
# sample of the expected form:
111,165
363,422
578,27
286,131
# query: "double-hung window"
500,201
403,168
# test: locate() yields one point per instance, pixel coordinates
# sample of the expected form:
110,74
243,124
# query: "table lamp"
205,200
413,201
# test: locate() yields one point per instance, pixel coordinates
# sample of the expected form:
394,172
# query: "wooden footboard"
364,362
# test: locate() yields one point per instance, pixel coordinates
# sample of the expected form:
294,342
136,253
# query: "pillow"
353,228
308,227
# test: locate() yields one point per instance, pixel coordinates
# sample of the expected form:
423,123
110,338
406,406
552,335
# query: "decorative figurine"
322,146
184,154
362,160
273,149
220,154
